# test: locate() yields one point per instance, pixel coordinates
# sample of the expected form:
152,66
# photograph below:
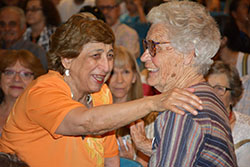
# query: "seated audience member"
125,85
42,18
18,69
229,55
136,19
11,160
227,52
64,113
227,84
239,25
243,105
178,53
12,27
124,35
67,8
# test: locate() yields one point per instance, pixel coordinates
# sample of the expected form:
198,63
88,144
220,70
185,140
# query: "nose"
119,78
17,77
104,11
145,56
105,65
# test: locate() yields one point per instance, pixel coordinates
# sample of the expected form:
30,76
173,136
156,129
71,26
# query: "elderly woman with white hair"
178,50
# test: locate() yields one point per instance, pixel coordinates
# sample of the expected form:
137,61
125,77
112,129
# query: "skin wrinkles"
170,67
89,70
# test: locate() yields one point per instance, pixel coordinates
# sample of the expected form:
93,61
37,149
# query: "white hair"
191,28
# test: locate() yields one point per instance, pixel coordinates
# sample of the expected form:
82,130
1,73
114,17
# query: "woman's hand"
177,100
138,135
126,151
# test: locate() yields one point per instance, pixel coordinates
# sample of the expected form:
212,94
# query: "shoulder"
104,96
127,29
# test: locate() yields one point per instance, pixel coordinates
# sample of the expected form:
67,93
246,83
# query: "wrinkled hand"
127,151
138,135
177,100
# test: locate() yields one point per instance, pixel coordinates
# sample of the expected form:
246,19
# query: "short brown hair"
70,37
25,57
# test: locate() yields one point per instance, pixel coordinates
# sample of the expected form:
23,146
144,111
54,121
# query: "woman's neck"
228,56
37,29
188,78
75,93
120,100
7,104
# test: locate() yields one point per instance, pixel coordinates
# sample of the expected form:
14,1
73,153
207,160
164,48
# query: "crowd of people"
108,83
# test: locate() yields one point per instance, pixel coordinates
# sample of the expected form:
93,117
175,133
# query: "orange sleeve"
49,103
110,145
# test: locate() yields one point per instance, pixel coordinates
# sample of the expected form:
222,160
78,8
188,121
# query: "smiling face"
121,82
34,13
10,26
14,86
166,66
90,69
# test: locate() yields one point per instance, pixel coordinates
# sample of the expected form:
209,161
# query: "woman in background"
42,18
125,85
226,82
18,69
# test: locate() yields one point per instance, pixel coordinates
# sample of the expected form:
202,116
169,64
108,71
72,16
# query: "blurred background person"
12,27
239,25
240,60
125,85
18,69
95,11
136,19
226,82
42,18
67,8
124,35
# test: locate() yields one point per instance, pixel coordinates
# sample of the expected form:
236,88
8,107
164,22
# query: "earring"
66,72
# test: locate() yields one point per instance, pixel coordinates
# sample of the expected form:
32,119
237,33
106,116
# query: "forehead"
218,79
9,15
106,2
34,2
157,32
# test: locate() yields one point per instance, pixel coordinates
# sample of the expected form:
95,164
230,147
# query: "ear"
223,41
66,62
188,58
234,15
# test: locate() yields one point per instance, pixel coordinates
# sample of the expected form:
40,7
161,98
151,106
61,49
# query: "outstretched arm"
101,119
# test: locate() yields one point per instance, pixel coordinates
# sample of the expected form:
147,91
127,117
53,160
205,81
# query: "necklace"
88,99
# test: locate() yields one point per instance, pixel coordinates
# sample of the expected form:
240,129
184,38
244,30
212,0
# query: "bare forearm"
102,119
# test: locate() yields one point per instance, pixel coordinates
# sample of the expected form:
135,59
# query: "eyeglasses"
108,7
221,90
25,75
11,24
150,45
33,9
